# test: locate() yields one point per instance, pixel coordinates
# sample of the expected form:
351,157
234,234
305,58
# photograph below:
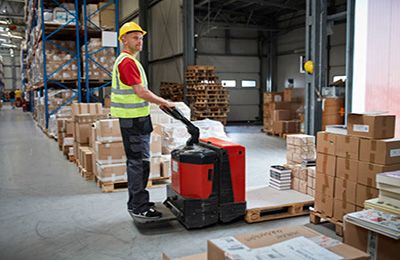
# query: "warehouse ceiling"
260,15
12,25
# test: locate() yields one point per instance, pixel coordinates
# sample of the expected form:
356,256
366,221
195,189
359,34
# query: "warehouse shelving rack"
50,33
91,85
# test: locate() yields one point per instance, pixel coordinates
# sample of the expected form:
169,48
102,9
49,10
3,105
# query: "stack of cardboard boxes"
300,150
65,129
282,111
347,164
104,19
105,58
83,115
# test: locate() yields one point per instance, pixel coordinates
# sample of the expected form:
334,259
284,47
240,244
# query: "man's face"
133,41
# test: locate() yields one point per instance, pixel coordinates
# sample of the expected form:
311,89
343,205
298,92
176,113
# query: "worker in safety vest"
130,99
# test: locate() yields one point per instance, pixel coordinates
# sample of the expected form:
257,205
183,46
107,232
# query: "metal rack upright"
88,55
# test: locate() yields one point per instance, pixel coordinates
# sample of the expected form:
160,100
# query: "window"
249,83
336,78
228,83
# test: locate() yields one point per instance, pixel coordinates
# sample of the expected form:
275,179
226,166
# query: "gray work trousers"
137,149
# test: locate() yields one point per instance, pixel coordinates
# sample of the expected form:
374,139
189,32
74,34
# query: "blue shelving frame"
75,54
88,56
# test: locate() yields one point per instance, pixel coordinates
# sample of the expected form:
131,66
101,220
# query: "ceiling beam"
267,3
237,26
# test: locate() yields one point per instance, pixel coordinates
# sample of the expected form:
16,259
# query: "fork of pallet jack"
192,129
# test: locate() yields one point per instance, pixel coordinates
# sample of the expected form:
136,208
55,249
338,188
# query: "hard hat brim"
143,32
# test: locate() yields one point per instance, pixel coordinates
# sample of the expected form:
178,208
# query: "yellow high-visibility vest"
124,101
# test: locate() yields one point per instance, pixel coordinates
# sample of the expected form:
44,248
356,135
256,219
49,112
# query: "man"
129,103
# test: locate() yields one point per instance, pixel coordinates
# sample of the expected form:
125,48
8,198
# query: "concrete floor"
47,211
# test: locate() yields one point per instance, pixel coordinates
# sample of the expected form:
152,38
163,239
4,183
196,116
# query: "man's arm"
151,97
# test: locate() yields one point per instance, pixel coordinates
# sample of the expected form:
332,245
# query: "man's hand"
167,105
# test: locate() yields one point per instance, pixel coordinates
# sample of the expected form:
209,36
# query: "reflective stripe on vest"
124,101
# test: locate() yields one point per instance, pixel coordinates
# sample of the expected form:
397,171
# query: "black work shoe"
151,213
151,204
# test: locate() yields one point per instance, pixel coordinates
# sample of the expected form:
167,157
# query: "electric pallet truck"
207,181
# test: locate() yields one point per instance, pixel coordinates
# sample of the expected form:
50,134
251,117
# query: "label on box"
229,244
361,128
394,152
175,166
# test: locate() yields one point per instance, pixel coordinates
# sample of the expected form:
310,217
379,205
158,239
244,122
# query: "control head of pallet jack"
192,129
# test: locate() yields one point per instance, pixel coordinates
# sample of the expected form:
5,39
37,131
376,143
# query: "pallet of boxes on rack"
283,111
206,95
172,91
348,162
104,57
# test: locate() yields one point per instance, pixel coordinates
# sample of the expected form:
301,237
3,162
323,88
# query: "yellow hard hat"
309,67
130,27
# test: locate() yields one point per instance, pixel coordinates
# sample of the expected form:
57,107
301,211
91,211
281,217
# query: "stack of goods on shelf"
104,18
280,177
301,160
83,115
347,164
105,58
172,91
59,15
207,96
55,59
283,111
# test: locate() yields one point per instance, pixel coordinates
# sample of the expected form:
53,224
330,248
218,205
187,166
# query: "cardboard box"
82,133
345,190
326,164
95,19
341,208
379,246
365,193
295,184
270,97
311,171
367,172
292,126
303,186
166,165
326,143
347,169
86,108
155,145
323,204
69,127
107,16
293,94
347,146
310,192
111,172
202,256
108,130
87,160
325,185
218,249
386,151
155,167
311,182
108,153
281,115
371,125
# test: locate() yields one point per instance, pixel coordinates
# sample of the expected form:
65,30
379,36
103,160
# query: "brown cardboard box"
367,172
69,127
311,171
326,164
345,190
217,251
347,146
311,182
310,192
202,256
155,145
379,246
303,186
165,166
326,143
95,19
111,172
280,105
92,137
108,130
293,94
369,125
295,184
107,16
341,208
325,185
386,151
323,204
108,153
289,127
347,169
88,160
281,115
365,193
82,133
155,167
86,108
271,97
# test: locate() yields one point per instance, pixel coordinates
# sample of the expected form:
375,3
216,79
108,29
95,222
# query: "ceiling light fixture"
9,45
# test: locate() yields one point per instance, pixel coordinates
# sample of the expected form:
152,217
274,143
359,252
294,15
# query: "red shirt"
129,72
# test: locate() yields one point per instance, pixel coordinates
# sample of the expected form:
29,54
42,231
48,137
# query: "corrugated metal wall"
379,71
9,62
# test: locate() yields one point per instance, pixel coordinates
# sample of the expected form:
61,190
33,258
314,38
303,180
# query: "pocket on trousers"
136,143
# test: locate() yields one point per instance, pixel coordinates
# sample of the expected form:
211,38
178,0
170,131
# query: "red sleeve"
129,72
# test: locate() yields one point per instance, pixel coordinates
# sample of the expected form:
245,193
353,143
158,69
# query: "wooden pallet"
88,176
157,182
265,204
115,186
318,218
71,158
